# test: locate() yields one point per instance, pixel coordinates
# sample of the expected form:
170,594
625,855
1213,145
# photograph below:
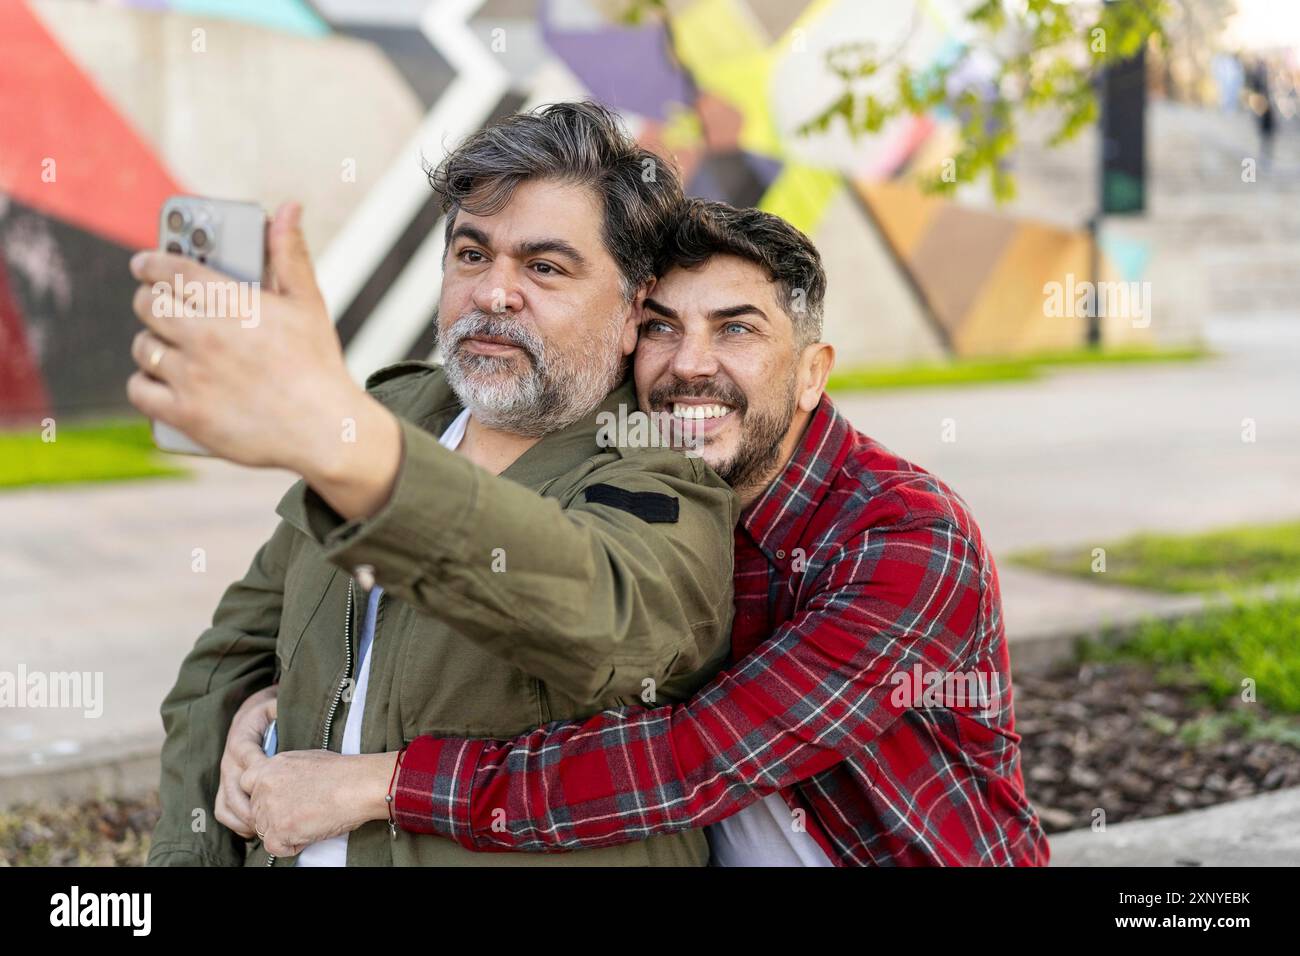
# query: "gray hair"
580,143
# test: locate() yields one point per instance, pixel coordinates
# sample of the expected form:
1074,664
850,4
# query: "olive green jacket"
509,602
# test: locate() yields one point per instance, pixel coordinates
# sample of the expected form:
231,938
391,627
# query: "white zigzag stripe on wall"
404,311
386,211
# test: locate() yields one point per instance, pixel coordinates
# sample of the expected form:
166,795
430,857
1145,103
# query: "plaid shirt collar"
776,521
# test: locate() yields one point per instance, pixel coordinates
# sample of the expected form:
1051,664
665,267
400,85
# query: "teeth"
699,411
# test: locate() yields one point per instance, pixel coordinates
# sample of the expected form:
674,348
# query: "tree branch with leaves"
1022,56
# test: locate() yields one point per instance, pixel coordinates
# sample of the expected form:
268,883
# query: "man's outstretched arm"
594,598
818,691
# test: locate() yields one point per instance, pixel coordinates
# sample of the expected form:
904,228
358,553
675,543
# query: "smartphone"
229,236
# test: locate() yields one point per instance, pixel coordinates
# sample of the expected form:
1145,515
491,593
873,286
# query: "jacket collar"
776,521
560,452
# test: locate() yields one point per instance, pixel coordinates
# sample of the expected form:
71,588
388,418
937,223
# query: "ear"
815,364
632,328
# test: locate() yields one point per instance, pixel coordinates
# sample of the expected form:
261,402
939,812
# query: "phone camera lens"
199,239
175,247
176,220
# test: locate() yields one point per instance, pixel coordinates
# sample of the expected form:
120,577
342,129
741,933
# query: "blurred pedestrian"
1261,104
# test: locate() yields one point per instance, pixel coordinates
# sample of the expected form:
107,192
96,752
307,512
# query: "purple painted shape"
624,67
704,185
764,167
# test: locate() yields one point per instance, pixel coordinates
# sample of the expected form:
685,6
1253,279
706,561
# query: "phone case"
234,243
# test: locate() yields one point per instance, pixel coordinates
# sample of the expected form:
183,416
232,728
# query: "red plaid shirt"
861,580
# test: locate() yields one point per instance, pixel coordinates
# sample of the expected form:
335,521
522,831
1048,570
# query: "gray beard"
555,390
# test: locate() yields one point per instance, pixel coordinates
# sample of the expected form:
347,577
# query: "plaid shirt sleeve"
817,691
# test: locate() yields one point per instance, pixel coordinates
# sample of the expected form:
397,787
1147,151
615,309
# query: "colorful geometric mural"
107,107
982,274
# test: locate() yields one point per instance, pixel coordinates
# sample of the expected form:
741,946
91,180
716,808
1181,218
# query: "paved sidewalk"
1257,831
106,579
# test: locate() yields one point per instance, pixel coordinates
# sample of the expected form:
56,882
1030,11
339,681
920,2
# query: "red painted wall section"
22,390
107,179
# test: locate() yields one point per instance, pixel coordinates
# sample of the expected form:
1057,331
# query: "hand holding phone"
264,384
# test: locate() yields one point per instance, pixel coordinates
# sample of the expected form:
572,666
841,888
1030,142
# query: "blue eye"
735,325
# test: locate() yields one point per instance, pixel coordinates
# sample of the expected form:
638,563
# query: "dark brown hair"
706,228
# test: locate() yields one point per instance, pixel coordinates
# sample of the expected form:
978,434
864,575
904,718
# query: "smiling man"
473,562
866,718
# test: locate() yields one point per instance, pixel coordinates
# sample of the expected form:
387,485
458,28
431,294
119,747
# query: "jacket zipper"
347,673
343,685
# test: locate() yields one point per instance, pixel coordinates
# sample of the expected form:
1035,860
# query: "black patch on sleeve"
649,506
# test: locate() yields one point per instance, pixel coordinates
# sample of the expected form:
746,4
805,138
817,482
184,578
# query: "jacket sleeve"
622,587
818,691
231,660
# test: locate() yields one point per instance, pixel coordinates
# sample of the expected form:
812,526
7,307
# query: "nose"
498,290
694,357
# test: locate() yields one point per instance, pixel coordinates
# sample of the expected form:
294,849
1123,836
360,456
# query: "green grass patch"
1120,356
964,372
117,450
1223,560
1212,728
1220,649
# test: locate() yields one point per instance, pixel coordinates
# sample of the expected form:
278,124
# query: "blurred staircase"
1222,248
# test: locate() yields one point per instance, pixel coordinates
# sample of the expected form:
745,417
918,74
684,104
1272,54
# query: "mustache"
719,390
478,323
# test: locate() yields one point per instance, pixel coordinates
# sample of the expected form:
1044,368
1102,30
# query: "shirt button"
365,576
780,553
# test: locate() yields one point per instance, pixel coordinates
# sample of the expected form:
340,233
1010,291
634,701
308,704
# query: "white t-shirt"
763,834
334,851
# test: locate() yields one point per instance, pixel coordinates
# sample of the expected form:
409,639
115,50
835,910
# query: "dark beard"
760,446
761,434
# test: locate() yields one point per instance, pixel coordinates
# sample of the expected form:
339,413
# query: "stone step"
1257,831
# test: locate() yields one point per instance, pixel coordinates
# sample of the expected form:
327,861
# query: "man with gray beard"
475,562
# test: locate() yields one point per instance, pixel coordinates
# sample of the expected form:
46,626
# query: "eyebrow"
470,233
530,247
537,247
655,306
730,312
736,311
